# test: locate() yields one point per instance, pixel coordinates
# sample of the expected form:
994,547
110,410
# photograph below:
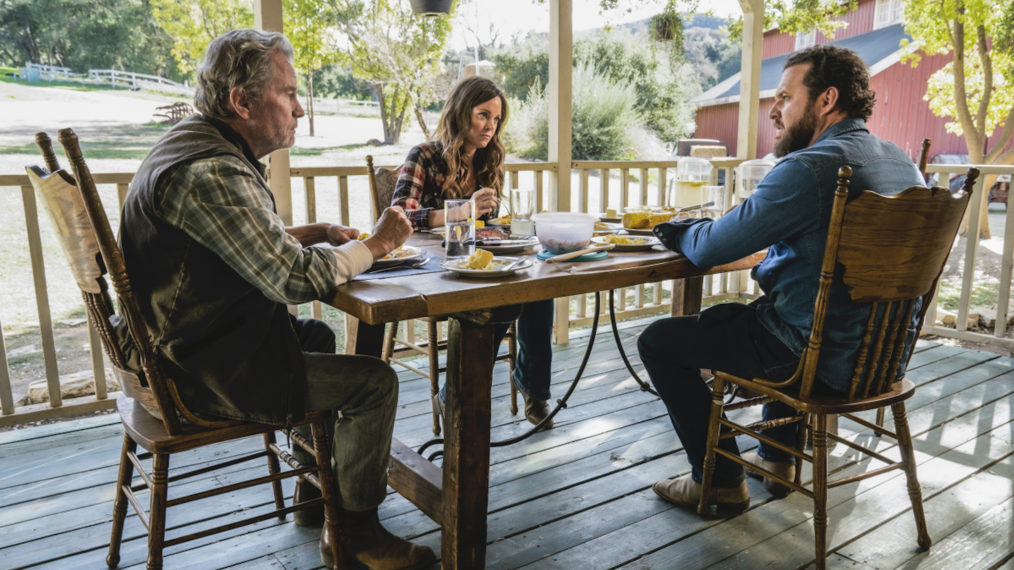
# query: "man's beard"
799,135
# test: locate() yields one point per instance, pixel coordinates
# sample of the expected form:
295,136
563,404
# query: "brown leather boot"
312,516
365,540
536,411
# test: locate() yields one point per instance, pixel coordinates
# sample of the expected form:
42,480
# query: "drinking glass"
459,220
522,209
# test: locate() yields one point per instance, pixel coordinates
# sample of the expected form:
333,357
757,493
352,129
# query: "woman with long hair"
465,159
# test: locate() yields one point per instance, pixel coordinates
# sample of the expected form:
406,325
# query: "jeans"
533,367
365,390
730,338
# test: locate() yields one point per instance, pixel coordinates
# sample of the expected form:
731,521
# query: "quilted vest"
231,351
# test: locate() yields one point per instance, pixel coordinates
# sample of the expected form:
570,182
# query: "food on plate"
610,212
491,233
481,259
363,235
644,220
502,220
623,240
479,224
602,226
403,251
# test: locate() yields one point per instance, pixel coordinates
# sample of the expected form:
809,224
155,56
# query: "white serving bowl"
563,232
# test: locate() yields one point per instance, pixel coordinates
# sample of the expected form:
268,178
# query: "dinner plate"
638,243
610,219
460,268
639,231
513,245
400,255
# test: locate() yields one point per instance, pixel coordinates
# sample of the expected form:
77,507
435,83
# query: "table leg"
466,443
686,296
364,338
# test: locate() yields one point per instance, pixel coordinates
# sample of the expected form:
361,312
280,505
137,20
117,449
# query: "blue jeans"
365,390
730,338
534,364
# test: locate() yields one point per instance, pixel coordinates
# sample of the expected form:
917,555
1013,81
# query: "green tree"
976,90
84,35
398,51
307,23
194,23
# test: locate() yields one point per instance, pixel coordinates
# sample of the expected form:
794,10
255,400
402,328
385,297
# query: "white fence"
138,81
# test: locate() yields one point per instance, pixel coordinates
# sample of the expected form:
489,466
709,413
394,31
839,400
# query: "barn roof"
879,49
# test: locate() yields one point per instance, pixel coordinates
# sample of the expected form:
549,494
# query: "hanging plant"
431,7
667,26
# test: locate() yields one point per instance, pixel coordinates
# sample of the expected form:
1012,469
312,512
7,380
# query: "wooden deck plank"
577,496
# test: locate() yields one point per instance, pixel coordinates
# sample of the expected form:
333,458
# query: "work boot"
685,492
784,470
365,540
536,411
312,516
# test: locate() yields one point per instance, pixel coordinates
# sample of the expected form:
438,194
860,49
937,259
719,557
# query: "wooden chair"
382,183
892,250
153,415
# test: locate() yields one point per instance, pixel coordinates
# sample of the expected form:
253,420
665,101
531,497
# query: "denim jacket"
789,214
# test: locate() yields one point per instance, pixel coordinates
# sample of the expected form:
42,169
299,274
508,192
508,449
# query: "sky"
519,16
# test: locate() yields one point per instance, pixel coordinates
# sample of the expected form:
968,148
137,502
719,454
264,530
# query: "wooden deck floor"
578,496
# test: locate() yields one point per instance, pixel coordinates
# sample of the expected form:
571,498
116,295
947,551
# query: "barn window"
806,39
887,12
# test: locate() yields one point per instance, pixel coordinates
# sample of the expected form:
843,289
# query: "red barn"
874,32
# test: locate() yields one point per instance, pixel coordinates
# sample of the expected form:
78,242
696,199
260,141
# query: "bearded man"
820,111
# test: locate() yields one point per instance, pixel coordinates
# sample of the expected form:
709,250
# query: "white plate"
512,245
641,242
400,255
459,268
639,231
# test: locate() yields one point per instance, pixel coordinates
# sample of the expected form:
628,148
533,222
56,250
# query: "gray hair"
240,58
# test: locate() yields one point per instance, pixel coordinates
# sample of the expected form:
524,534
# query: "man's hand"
337,234
392,230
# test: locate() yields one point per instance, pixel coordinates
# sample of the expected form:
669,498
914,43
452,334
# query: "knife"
580,252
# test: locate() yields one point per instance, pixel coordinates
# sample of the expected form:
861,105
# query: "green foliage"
102,34
522,70
794,16
399,52
336,81
194,23
977,89
603,111
661,95
712,54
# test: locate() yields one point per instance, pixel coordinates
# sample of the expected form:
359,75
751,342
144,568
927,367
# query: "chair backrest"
891,250
382,181
90,246
924,157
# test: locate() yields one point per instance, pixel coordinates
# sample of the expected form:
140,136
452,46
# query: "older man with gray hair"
215,268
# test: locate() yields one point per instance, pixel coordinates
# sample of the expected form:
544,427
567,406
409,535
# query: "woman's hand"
485,200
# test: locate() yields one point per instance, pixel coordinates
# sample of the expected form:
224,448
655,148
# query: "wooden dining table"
456,495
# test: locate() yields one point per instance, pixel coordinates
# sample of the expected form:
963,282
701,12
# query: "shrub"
603,113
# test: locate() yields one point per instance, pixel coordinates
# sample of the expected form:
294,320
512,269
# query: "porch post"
749,82
561,56
268,16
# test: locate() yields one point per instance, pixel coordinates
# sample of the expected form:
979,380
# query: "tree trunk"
309,99
384,115
422,122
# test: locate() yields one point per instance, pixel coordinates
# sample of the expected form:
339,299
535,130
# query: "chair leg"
123,480
820,489
908,460
390,333
714,429
156,514
512,359
328,487
880,419
274,468
433,352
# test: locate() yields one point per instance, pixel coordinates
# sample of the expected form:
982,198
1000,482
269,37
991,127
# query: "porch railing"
341,193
